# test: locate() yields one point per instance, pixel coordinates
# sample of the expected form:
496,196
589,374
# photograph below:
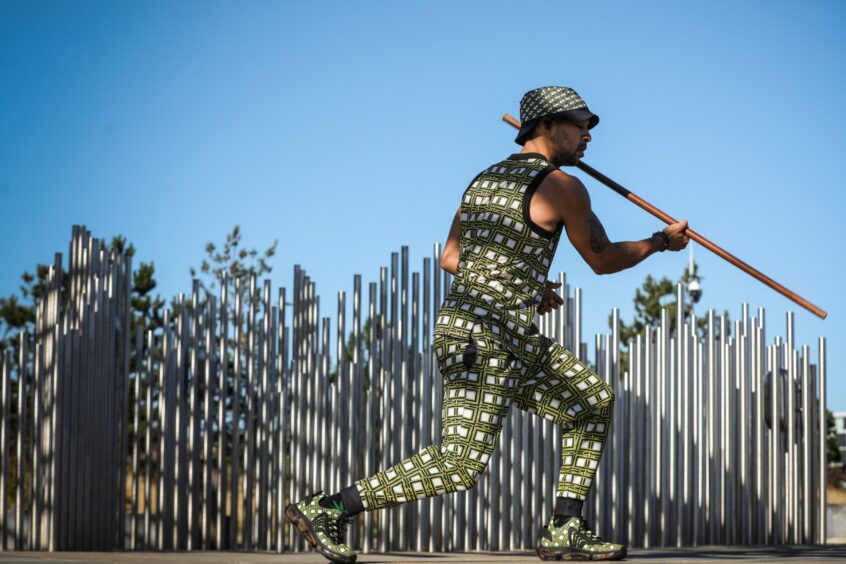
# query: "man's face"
569,141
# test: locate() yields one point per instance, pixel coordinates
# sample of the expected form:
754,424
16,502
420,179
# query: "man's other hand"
551,300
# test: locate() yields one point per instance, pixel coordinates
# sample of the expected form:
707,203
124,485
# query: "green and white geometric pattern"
491,354
571,539
323,527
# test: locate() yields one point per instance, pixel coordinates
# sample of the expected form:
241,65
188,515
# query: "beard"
565,154
567,158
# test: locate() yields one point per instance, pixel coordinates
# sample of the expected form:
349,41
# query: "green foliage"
17,313
239,264
655,295
233,261
14,316
364,351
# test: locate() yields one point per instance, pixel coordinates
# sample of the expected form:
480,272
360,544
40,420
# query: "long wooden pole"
666,218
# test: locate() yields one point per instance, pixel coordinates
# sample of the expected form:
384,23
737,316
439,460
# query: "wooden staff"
637,200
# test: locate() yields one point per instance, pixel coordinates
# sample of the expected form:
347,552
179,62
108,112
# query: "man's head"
557,118
562,140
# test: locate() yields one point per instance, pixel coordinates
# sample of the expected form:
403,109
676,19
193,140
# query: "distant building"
840,427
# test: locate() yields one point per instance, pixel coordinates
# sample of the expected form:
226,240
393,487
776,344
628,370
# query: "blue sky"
348,129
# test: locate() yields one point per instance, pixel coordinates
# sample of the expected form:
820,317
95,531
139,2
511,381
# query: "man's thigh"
558,386
479,386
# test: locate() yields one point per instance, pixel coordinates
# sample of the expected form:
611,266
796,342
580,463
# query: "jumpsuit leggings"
482,379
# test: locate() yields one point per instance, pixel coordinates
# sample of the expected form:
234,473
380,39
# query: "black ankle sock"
347,500
566,507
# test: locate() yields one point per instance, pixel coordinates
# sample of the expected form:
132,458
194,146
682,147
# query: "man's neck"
533,146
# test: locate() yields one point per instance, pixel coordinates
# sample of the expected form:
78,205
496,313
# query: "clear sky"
348,129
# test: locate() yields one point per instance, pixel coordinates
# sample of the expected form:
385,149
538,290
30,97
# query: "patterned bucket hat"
558,102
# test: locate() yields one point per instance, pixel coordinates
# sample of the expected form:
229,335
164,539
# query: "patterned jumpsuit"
491,354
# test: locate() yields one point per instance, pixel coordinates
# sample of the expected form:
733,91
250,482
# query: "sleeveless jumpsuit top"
504,256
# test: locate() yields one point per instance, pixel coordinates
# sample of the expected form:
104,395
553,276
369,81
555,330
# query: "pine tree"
655,295
17,313
233,261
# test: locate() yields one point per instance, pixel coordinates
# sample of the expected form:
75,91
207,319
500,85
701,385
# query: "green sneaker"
322,527
572,539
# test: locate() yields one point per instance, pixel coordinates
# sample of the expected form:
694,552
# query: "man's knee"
463,465
599,394
604,396
468,481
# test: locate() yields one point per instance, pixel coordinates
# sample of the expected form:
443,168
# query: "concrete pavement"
824,553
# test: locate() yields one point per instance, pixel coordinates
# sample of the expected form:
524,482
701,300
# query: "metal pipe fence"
197,436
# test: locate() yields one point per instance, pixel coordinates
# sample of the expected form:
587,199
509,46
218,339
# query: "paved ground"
826,553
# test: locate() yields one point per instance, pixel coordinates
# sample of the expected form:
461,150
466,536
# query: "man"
491,354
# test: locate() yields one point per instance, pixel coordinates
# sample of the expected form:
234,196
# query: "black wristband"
666,240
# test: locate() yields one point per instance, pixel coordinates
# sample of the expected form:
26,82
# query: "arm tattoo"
598,238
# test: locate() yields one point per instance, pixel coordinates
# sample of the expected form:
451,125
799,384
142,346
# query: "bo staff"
637,200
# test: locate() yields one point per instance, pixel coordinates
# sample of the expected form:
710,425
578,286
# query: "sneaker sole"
574,554
304,526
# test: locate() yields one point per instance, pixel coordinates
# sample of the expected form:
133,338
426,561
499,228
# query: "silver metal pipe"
823,434
5,435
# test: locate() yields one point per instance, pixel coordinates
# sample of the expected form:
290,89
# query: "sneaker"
572,539
323,527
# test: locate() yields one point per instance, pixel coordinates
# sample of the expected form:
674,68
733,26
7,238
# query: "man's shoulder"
562,183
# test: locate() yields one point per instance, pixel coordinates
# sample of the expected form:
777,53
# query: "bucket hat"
558,102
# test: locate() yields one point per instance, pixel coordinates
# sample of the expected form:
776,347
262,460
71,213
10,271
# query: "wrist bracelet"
665,240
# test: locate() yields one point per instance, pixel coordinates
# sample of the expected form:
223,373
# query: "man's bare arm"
588,235
451,253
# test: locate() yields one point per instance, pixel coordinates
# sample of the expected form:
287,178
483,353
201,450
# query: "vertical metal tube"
21,425
136,421
58,339
235,456
5,433
664,436
647,484
791,431
356,445
283,494
221,532
385,422
210,374
635,490
779,420
343,393
741,357
180,381
758,426
424,540
372,408
806,442
823,434
34,505
272,435
148,442
246,504
264,436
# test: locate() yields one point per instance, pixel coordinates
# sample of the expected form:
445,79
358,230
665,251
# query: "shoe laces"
586,529
337,528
